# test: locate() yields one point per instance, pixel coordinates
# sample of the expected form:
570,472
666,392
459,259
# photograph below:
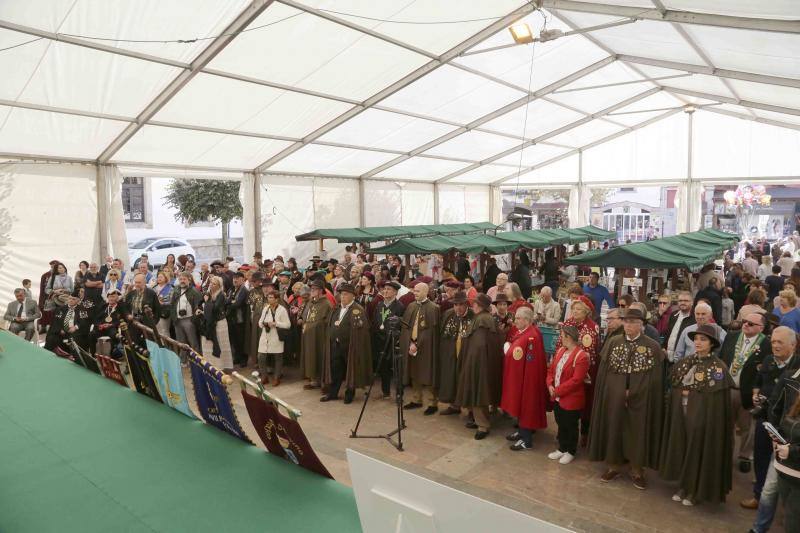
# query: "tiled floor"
442,449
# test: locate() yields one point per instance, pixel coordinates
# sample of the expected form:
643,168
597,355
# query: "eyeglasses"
663,303
748,323
623,306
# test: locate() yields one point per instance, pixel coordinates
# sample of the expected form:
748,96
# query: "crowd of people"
680,384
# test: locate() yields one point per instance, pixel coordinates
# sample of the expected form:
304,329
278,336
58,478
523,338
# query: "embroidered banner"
109,368
281,435
139,367
166,367
213,399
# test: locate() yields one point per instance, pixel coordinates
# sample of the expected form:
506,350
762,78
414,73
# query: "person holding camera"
766,393
275,326
186,299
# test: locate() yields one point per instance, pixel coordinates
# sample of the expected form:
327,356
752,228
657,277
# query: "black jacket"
237,308
395,309
149,299
688,321
490,278
770,383
192,295
749,372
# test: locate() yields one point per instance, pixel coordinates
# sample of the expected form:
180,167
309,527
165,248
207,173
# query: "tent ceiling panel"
483,175
316,54
248,107
761,52
562,171
645,38
543,116
435,38
473,145
317,159
774,9
532,155
553,61
156,144
783,117
381,129
695,82
29,131
586,133
593,100
449,93
422,168
768,94
615,72
80,78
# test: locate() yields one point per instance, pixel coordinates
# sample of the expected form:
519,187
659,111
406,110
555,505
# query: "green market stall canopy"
383,233
687,250
501,243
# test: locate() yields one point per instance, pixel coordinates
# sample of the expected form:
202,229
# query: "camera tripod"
390,356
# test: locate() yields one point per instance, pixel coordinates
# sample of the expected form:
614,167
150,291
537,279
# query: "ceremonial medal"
586,340
336,323
108,319
699,376
641,349
356,312
517,353
718,375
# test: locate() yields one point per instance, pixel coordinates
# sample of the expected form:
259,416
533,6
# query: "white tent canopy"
365,110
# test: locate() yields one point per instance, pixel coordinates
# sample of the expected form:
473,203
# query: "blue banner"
166,367
213,399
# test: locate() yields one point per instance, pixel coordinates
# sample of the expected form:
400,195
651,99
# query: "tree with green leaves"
205,200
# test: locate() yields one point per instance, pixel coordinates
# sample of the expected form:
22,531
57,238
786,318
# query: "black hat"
257,276
393,284
346,287
318,283
459,298
709,331
217,262
500,297
482,300
633,313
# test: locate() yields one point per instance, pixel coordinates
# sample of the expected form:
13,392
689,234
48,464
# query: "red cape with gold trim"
524,379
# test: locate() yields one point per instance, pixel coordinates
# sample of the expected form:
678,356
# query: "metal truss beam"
734,101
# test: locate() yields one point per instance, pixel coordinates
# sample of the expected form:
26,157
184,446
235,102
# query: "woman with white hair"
499,287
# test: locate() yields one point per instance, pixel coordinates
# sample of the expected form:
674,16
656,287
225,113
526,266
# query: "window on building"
133,199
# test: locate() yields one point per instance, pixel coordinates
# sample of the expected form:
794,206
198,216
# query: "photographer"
386,310
766,391
185,301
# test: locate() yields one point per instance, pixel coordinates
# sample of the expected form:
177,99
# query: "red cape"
524,380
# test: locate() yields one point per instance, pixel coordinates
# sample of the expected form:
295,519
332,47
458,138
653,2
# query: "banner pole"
294,413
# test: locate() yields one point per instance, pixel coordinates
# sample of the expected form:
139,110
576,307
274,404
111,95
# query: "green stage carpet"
79,453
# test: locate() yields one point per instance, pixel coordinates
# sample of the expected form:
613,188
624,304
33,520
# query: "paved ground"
442,449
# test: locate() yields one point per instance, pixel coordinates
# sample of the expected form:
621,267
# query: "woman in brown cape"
698,428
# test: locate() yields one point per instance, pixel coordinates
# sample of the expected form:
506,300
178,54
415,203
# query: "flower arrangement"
748,196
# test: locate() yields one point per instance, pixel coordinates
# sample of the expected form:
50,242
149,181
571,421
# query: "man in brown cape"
455,326
348,350
628,402
480,377
419,345
252,330
313,322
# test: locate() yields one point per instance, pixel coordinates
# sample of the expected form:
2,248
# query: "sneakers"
639,482
520,446
566,459
677,497
749,503
555,455
513,437
610,475
687,502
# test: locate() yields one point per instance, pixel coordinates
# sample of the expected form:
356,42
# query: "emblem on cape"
641,349
356,312
586,340
517,353
108,319
699,376
718,375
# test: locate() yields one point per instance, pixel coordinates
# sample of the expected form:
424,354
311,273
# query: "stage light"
521,33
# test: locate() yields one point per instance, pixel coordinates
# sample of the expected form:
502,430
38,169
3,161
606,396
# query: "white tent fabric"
579,203
46,212
110,214
418,100
247,198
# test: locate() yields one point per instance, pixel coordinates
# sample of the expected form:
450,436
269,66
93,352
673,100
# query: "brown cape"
481,375
628,429
449,365
315,316
359,350
420,369
698,444
252,330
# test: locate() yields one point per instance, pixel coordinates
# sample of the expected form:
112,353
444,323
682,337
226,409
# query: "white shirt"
673,336
183,303
343,311
746,343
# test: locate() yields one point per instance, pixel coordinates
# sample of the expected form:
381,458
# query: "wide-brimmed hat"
709,331
453,284
61,298
346,287
459,298
501,298
633,313
393,284
286,273
317,283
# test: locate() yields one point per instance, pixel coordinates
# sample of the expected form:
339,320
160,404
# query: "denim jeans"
768,502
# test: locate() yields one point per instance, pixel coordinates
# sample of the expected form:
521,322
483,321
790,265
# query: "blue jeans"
762,456
768,502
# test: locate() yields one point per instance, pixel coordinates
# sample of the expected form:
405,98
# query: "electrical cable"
21,44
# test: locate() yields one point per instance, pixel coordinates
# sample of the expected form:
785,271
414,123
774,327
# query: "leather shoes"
480,435
610,475
744,465
471,424
750,503
639,482
412,405
450,411
328,398
431,410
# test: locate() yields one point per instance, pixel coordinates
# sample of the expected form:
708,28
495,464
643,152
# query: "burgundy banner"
110,369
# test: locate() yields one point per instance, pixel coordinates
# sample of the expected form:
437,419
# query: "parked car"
157,250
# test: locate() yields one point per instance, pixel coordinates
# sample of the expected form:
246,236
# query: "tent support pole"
102,210
645,275
256,220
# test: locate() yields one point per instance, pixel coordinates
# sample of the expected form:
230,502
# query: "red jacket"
570,392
